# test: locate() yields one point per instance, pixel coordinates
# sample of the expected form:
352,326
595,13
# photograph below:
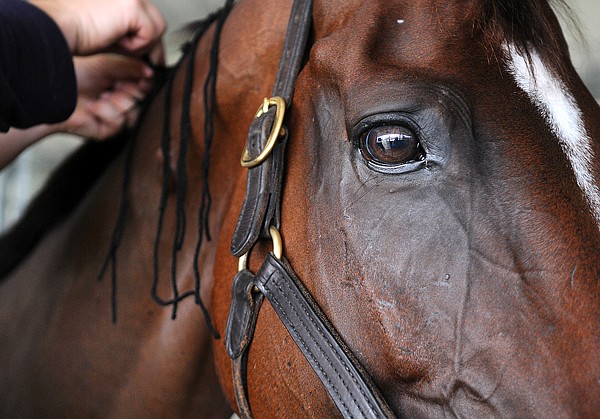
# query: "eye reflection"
393,140
394,144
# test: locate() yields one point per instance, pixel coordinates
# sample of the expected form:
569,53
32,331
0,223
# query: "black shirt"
37,78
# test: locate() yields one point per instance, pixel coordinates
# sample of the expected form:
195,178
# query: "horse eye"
391,145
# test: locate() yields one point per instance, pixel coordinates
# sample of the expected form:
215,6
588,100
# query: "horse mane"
529,26
209,94
61,195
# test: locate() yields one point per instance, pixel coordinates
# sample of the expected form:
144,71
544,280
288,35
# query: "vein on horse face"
561,112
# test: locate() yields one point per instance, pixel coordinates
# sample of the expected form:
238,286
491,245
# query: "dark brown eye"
390,145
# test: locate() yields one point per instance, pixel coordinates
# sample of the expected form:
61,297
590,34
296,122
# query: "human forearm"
13,142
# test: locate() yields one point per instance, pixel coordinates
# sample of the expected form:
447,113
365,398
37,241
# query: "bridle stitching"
283,311
334,349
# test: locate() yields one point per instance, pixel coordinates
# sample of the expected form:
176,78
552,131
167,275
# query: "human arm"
110,88
37,78
37,81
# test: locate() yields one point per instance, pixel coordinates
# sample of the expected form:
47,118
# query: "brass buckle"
279,103
277,249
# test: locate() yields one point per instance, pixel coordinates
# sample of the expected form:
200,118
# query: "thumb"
144,32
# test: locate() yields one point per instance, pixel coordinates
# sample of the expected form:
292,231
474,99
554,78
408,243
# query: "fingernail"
148,72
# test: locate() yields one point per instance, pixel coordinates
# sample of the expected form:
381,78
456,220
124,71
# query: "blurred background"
22,179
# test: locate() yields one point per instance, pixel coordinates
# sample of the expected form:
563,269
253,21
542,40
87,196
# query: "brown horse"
441,204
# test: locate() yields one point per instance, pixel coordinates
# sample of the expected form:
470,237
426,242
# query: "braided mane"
209,95
61,195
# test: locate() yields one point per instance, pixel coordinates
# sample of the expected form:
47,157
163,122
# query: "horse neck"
248,58
239,92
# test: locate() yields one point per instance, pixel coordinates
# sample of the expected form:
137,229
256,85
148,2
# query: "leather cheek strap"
241,322
345,380
261,207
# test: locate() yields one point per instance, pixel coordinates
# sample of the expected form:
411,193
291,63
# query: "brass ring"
279,103
277,242
243,262
277,249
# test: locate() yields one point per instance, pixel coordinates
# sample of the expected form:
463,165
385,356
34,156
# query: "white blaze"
551,96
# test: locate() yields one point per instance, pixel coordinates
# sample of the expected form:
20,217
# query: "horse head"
435,222
442,206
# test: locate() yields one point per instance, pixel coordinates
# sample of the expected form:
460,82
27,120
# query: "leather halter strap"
342,375
261,207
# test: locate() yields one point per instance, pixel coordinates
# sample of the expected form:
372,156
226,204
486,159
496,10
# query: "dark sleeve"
37,79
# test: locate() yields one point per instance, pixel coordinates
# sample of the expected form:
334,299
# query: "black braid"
185,134
111,258
210,101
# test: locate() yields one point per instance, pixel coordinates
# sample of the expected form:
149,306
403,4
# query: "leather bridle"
344,378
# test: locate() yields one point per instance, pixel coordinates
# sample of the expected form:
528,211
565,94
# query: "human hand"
131,27
110,87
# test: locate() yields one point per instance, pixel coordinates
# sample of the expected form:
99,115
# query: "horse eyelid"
378,120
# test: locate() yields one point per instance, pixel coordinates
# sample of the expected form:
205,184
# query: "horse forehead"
369,14
418,33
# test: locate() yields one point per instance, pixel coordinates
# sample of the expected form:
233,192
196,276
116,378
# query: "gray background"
26,175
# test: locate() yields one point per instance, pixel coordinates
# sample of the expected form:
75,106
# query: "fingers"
103,117
105,121
118,67
110,88
135,90
131,27
99,73
144,33
113,112
113,104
